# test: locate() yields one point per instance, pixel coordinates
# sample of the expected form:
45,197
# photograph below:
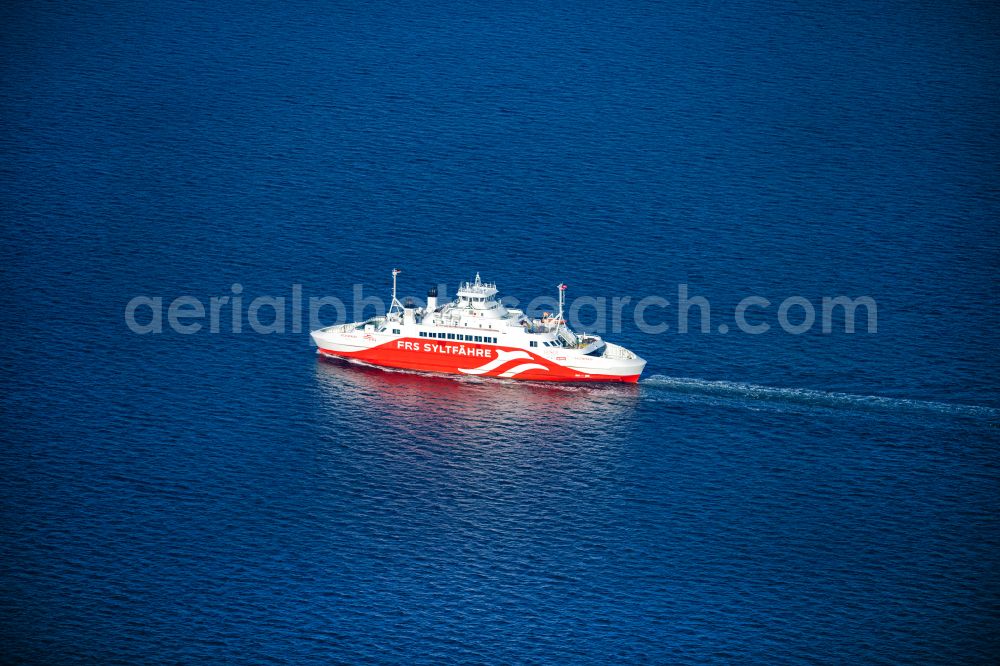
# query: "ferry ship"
475,334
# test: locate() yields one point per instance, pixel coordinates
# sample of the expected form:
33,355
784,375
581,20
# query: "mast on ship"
562,299
395,307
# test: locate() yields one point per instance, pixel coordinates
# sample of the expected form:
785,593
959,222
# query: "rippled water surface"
231,498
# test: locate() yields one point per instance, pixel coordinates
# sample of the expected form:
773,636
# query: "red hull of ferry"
470,359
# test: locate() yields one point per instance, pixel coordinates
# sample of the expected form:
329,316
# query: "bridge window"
533,343
395,331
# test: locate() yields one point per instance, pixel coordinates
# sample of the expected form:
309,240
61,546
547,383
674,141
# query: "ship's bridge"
479,299
477,291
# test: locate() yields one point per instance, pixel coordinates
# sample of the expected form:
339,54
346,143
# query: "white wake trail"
738,390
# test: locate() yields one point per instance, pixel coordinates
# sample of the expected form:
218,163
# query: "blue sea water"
231,498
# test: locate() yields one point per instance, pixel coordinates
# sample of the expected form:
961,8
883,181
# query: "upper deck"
477,291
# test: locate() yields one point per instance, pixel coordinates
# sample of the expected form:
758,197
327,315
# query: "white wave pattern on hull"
707,387
502,357
524,367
